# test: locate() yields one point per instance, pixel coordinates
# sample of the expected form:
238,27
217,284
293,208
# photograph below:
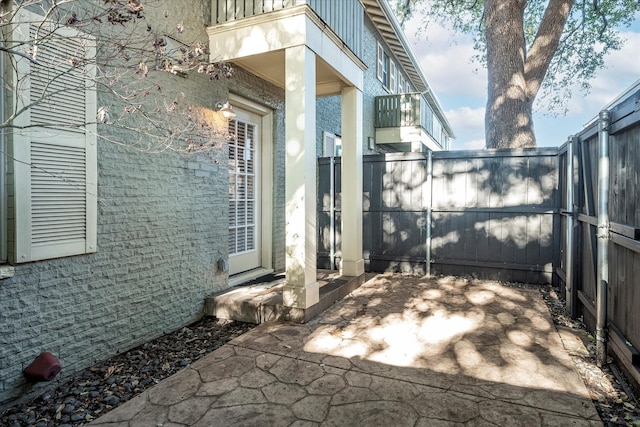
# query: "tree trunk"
515,75
508,117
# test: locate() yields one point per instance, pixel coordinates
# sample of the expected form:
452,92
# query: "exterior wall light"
226,110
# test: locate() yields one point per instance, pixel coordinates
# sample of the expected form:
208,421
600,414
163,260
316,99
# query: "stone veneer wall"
162,226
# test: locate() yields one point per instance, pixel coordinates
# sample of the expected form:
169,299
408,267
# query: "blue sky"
446,61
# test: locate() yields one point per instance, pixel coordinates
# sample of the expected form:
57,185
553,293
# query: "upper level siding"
344,17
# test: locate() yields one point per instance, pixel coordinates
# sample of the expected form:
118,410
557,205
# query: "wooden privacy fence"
489,213
600,221
569,216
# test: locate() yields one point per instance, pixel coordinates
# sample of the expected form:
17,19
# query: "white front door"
244,193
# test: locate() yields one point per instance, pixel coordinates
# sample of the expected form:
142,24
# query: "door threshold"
240,278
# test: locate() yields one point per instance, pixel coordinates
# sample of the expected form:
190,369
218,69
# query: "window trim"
393,77
380,63
336,144
3,170
3,192
387,71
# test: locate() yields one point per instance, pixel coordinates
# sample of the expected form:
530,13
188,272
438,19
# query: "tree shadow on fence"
493,214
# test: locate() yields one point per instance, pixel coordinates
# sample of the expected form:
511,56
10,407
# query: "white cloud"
471,118
474,144
468,125
446,59
451,72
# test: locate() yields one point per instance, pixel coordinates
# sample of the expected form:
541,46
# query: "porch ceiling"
271,67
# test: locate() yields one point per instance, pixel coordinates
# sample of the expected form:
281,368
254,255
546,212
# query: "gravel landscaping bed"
104,386
97,390
613,397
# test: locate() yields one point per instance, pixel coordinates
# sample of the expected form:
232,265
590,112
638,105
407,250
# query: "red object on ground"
44,368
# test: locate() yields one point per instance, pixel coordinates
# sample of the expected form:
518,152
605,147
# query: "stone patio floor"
398,351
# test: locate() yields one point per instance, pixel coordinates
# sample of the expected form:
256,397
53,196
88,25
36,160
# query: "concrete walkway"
398,351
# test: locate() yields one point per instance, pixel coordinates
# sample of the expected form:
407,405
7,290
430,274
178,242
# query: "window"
392,77
243,188
437,131
54,179
381,63
331,145
402,88
387,71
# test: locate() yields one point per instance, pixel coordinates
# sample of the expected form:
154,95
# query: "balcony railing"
409,110
344,17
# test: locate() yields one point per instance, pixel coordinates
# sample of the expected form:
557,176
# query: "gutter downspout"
332,210
603,238
569,285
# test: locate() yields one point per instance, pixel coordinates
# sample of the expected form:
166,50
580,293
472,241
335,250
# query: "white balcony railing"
344,17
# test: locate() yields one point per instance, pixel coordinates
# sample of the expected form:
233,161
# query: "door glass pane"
242,188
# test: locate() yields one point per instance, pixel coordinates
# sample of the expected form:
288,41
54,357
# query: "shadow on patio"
397,351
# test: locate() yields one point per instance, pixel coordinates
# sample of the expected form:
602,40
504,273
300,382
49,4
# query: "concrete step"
260,300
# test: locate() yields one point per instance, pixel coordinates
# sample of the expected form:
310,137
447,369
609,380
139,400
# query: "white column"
301,286
416,147
351,240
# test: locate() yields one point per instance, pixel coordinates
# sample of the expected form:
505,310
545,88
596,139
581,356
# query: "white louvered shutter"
55,177
392,77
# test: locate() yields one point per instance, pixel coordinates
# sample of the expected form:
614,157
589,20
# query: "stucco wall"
162,226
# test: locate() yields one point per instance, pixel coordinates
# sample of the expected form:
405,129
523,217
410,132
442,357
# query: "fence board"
482,237
625,171
495,183
502,214
501,191
623,285
490,209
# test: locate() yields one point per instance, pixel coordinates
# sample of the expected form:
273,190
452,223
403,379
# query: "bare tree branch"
133,62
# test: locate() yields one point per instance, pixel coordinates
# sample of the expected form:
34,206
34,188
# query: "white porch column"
352,261
301,286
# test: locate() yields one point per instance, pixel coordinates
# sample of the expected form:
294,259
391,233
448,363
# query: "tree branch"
545,44
12,51
597,9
